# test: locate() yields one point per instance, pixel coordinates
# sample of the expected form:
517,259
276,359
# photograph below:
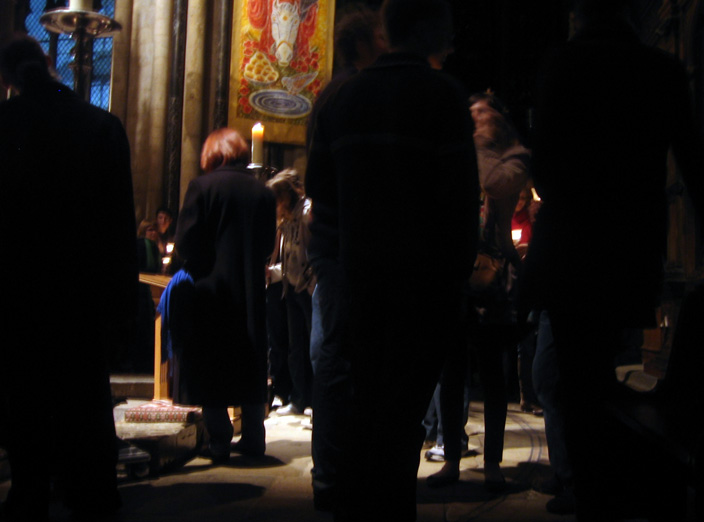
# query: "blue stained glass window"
102,52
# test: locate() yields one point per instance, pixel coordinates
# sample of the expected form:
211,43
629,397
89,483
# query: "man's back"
225,231
66,196
608,110
400,144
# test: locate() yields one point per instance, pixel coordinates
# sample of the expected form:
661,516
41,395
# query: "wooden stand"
158,283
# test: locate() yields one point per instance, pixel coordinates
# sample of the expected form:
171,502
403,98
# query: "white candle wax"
258,144
80,5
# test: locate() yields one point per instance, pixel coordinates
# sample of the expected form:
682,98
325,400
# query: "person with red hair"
223,147
225,232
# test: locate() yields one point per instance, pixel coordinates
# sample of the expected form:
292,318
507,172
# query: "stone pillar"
146,100
221,52
174,122
194,99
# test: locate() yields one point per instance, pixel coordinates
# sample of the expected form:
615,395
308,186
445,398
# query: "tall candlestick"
81,5
258,144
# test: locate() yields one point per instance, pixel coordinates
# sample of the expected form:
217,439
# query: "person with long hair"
490,316
293,210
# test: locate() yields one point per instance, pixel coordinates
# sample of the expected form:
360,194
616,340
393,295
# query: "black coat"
225,232
67,214
69,284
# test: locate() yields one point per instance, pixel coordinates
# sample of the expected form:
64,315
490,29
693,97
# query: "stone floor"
278,487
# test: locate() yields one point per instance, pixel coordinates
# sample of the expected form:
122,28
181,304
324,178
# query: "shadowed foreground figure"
608,109
392,158
359,41
72,290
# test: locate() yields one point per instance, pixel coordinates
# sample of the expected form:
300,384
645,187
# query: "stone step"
132,386
169,444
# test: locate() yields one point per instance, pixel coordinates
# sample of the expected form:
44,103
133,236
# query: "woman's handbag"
487,270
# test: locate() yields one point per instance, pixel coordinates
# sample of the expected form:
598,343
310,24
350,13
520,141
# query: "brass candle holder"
83,25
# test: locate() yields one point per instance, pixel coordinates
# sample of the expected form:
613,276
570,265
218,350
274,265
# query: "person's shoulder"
98,113
91,118
13,106
407,72
236,176
219,176
7,108
336,81
9,104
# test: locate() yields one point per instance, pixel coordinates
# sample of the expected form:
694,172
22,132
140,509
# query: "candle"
535,194
81,5
516,235
258,144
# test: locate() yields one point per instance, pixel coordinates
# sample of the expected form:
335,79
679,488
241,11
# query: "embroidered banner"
281,59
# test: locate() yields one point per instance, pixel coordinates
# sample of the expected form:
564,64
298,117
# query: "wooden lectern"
157,284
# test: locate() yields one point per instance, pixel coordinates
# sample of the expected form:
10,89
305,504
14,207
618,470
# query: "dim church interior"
499,45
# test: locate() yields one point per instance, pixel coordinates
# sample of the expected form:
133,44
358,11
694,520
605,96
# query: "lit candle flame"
516,235
258,144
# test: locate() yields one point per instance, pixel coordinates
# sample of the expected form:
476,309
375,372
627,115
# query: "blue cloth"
165,309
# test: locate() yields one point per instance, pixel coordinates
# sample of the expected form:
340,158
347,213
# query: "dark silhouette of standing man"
359,41
392,158
69,284
608,110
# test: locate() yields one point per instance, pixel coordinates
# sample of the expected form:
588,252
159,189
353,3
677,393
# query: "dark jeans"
489,343
299,311
526,355
431,421
277,336
545,379
331,377
433,424
585,350
395,336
